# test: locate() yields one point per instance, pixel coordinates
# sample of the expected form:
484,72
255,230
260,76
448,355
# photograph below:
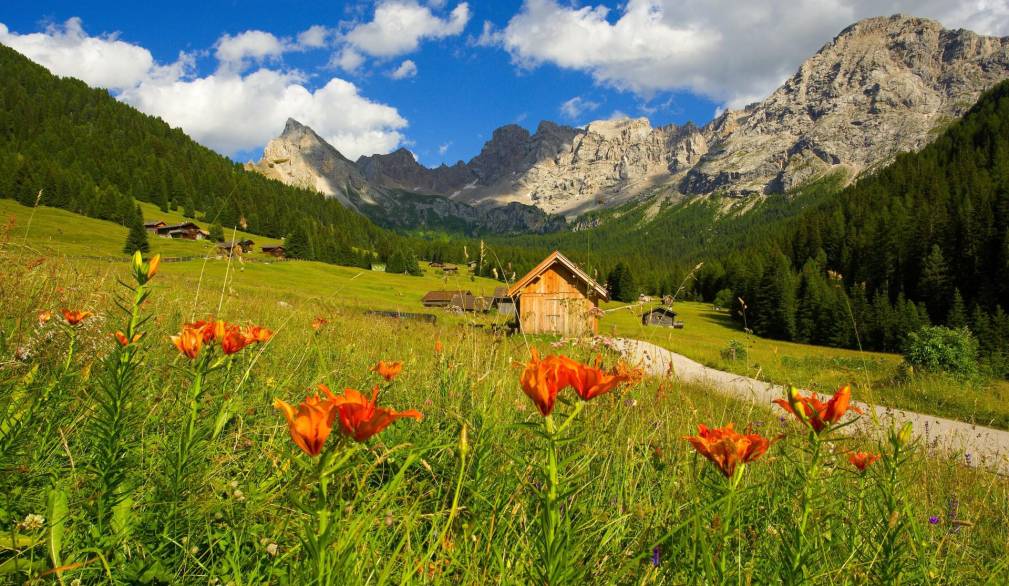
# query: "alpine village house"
558,297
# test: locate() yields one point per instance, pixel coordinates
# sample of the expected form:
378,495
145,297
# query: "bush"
735,351
723,299
937,348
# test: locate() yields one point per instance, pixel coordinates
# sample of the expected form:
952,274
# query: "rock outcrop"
882,86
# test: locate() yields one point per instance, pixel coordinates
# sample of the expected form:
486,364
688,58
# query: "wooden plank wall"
557,302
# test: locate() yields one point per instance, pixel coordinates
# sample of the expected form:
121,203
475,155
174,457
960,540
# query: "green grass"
707,333
248,501
877,376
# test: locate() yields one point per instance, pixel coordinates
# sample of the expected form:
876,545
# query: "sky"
438,76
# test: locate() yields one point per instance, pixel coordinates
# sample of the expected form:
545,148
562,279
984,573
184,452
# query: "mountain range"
883,86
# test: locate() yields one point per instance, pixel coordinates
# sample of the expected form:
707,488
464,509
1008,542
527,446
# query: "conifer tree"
958,312
216,232
136,238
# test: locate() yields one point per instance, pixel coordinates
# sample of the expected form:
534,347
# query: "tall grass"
449,499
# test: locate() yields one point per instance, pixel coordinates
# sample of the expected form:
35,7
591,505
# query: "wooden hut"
442,298
153,227
505,305
661,316
558,297
276,250
185,231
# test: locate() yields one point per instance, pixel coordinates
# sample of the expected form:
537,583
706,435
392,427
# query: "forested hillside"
924,240
93,155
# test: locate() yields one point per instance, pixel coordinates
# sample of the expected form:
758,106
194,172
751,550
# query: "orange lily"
75,317
152,266
189,341
311,424
387,370
727,448
45,316
438,346
592,381
231,339
541,380
318,322
124,341
862,460
258,334
361,418
815,413
206,328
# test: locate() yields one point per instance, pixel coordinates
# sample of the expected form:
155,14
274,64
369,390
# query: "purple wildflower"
968,459
933,520
656,556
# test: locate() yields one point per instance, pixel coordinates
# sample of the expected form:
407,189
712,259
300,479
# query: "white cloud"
314,37
405,70
227,111
235,52
576,106
731,52
230,112
442,149
347,59
399,26
102,61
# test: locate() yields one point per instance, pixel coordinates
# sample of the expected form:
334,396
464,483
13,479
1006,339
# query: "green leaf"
123,518
18,542
20,565
57,512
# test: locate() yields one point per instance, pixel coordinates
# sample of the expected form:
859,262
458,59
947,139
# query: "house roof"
181,226
501,293
468,302
557,258
662,309
443,296
273,247
154,224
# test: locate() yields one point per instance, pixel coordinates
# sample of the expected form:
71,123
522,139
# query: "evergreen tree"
136,238
958,312
297,244
190,209
934,284
774,306
620,284
216,232
396,263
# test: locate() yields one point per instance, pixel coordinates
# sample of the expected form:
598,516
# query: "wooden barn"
661,316
558,297
442,298
276,250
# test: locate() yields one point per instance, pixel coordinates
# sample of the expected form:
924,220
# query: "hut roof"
557,258
443,296
501,293
663,309
269,247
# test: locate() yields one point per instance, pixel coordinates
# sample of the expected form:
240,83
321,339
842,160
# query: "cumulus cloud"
229,110
399,26
730,52
67,50
234,52
576,106
314,37
406,69
216,110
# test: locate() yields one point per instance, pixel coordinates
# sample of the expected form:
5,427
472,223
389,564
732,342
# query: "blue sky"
229,73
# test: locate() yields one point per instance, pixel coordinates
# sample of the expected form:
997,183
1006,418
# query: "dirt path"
976,445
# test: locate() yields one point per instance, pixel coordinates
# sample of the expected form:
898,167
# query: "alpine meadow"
258,328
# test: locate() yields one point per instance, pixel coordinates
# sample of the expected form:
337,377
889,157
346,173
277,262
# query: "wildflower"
541,380
31,522
75,317
152,266
592,381
438,347
44,317
311,424
387,370
361,418
862,460
727,448
656,556
933,520
124,341
257,334
318,322
813,412
272,549
189,341
232,340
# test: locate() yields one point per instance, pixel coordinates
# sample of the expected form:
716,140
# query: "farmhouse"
235,247
185,231
450,269
276,250
661,316
153,227
442,298
558,297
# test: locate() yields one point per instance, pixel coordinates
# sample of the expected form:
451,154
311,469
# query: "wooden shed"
276,250
661,316
442,298
558,297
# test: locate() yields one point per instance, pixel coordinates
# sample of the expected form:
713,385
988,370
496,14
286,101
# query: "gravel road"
976,445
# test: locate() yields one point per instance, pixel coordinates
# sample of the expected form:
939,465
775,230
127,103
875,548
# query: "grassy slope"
707,333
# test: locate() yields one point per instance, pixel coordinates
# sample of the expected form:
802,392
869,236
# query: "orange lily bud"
124,341
152,268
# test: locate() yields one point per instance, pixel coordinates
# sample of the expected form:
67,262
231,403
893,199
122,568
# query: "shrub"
735,351
938,348
723,299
